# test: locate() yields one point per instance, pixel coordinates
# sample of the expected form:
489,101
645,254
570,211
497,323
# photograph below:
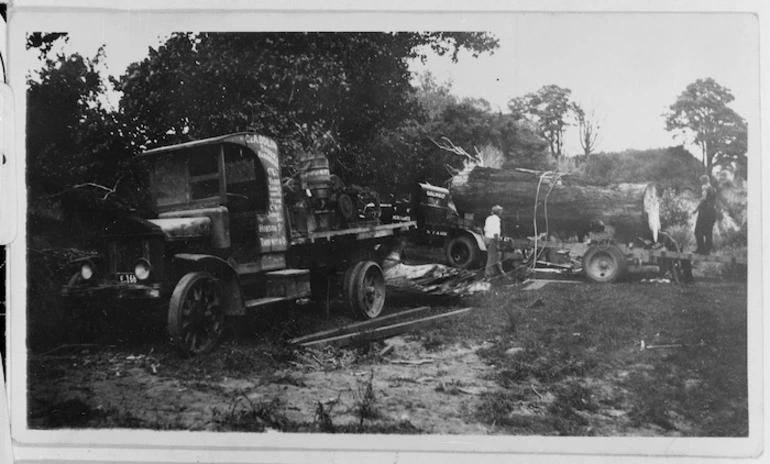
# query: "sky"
627,68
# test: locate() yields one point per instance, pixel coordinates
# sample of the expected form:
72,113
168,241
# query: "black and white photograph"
482,226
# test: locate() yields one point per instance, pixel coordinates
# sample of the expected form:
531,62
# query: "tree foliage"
551,109
44,41
702,115
668,167
78,151
311,91
64,114
408,154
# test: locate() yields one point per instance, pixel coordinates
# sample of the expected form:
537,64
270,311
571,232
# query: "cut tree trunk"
574,208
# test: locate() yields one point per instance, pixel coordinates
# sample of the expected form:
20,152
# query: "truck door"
246,192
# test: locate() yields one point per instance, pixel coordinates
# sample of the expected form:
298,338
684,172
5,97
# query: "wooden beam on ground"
381,332
358,326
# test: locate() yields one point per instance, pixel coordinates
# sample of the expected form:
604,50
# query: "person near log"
707,215
492,234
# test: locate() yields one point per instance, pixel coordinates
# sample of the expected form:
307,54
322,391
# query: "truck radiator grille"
124,253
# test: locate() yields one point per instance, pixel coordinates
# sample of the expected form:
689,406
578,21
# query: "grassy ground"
576,350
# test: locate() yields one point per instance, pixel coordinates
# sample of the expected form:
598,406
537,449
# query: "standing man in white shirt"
492,234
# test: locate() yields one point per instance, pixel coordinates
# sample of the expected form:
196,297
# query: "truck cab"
218,230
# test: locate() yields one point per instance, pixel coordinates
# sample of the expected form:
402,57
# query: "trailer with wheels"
227,237
608,261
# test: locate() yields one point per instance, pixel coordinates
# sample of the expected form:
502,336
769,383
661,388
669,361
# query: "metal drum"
317,177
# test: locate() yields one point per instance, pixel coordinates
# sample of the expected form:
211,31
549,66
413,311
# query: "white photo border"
153,446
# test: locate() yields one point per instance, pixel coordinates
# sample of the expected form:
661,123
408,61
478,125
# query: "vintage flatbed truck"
223,241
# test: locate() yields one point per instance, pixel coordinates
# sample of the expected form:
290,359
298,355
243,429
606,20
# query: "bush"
668,167
674,210
735,239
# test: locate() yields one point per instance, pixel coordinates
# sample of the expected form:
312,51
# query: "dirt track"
452,379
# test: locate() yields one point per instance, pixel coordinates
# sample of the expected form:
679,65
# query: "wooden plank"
381,332
357,326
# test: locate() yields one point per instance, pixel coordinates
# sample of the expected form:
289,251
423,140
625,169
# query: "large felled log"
626,211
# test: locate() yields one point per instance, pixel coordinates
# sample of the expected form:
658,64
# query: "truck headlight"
142,269
87,270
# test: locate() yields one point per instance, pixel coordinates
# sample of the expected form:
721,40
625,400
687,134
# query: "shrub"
673,166
674,210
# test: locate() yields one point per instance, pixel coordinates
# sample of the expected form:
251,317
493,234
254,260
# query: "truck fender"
464,238
232,295
478,238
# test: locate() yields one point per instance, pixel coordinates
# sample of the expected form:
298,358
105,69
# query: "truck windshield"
168,180
193,176
186,176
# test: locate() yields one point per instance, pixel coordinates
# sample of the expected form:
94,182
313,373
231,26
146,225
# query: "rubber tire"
183,291
364,290
346,207
611,265
462,252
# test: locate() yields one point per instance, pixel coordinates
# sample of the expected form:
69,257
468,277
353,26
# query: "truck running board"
259,302
283,285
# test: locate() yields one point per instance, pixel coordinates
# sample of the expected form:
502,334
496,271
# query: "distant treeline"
670,167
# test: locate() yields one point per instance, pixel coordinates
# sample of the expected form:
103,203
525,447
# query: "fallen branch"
644,346
109,191
469,391
452,148
536,392
63,347
418,362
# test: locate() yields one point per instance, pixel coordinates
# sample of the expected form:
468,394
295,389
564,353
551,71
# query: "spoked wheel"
195,314
364,290
604,263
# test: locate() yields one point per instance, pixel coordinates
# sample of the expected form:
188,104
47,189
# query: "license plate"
127,278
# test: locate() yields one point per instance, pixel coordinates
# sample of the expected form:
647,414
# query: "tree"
433,97
588,129
702,115
407,153
550,108
63,107
343,88
78,150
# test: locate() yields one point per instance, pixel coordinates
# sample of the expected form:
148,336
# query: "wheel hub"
602,265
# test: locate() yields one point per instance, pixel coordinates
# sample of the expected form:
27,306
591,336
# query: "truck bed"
355,233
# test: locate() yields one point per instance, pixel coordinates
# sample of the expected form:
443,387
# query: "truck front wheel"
195,314
364,290
462,252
